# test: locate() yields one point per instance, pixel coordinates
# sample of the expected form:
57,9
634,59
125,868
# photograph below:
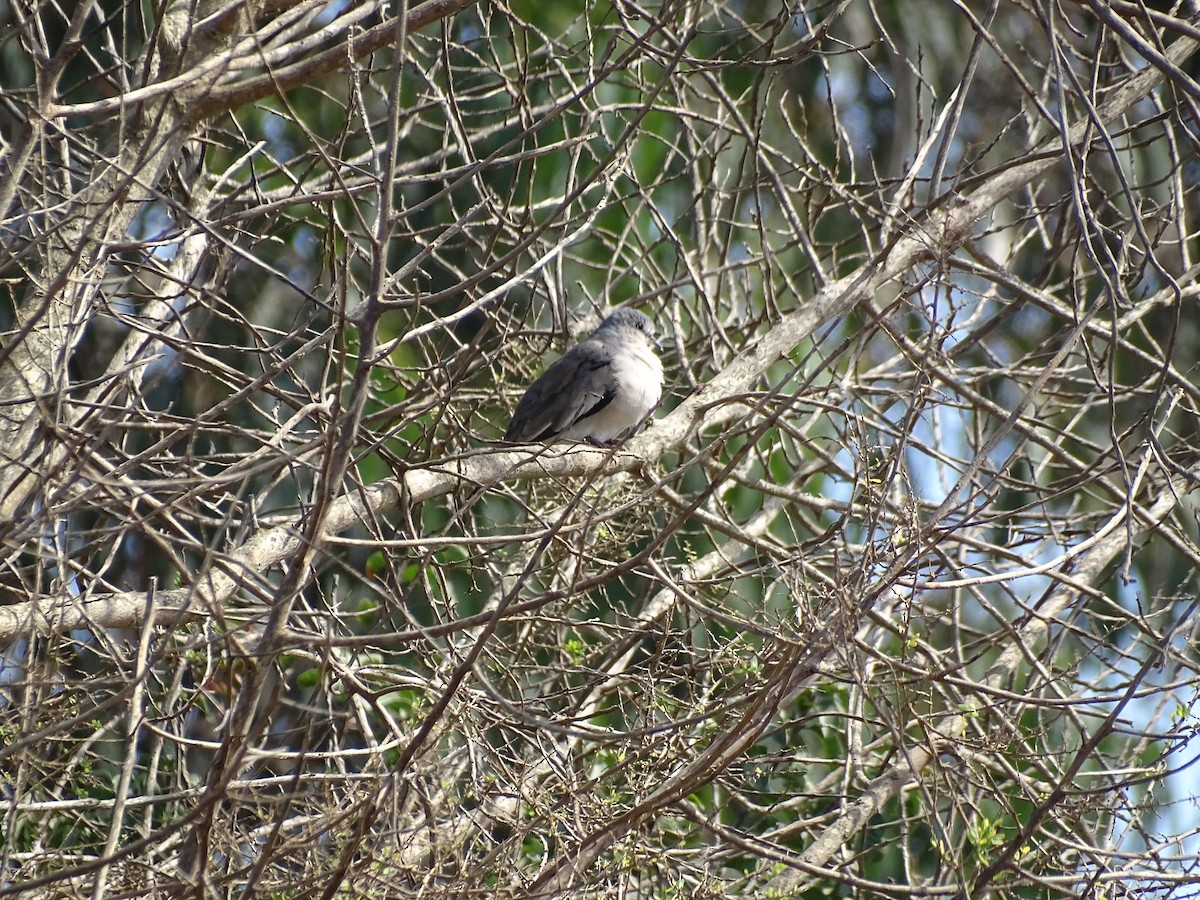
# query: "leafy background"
896,596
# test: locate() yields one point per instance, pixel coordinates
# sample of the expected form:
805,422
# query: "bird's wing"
577,385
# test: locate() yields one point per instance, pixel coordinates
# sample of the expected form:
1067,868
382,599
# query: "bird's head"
631,319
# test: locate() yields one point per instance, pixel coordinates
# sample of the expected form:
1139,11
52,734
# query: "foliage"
895,596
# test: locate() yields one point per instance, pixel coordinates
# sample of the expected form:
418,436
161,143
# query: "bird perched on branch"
597,389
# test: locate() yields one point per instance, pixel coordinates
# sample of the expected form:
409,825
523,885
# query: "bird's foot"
603,445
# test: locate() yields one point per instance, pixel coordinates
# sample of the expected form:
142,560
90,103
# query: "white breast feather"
639,376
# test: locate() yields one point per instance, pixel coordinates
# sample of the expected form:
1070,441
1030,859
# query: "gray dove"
597,389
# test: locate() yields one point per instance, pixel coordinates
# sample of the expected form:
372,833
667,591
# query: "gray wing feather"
577,385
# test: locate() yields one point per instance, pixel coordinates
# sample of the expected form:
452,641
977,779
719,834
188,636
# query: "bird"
598,389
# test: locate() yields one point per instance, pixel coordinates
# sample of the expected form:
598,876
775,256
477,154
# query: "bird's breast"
638,375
